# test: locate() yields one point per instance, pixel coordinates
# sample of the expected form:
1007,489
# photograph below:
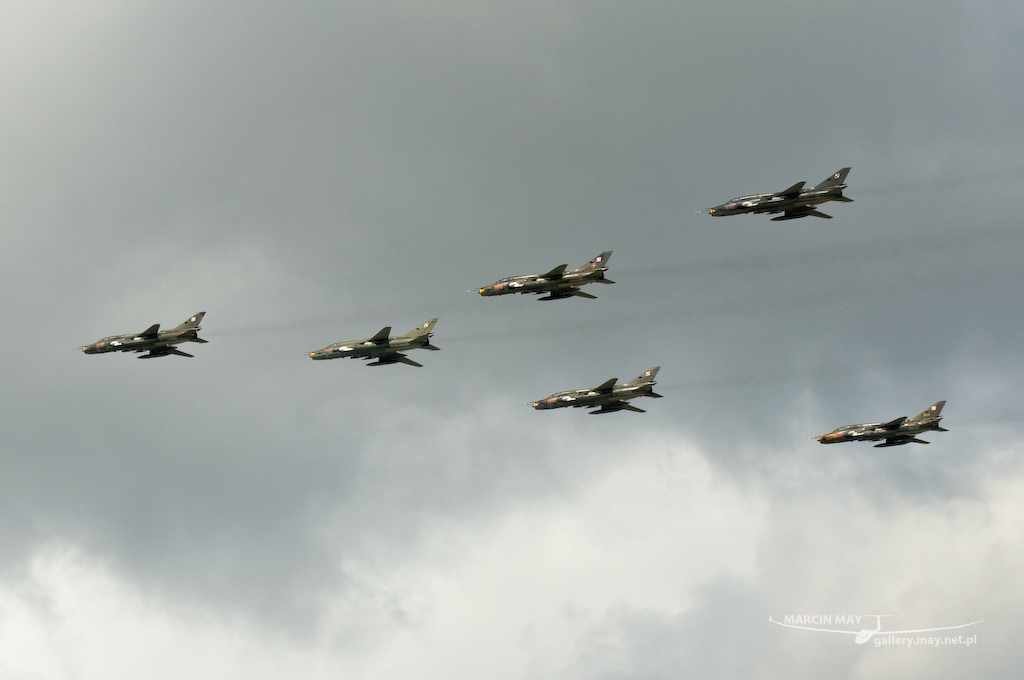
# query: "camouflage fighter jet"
609,396
794,202
153,340
895,432
385,350
557,283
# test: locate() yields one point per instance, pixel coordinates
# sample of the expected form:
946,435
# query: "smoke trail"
917,246
906,247
949,182
820,373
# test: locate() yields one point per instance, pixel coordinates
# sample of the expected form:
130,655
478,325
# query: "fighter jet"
895,432
794,202
153,340
557,283
609,396
385,350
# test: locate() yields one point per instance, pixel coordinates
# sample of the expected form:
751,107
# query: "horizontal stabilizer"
655,395
580,293
382,335
150,332
843,199
603,281
793,190
555,273
606,386
199,339
818,213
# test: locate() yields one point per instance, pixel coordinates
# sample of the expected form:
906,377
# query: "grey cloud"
310,174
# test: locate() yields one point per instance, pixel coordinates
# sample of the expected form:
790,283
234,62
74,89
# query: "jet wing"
555,273
396,358
382,335
900,441
793,190
606,386
164,351
150,332
563,294
614,406
800,212
893,424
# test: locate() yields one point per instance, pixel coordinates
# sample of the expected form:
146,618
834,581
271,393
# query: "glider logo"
885,637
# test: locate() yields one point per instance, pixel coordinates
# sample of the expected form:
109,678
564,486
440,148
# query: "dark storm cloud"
308,174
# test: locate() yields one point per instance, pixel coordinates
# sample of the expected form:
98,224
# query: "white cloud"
506,598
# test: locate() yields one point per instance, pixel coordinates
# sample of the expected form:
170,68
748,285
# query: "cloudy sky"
307,173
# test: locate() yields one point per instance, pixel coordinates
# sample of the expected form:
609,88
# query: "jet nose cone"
483,291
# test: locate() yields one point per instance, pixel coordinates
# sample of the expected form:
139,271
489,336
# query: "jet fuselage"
588,398
536,283
895,432
152,340
383,348
609,396
774,203
557,283
366,348
137,343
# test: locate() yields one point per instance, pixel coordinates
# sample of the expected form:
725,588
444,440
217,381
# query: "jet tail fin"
597,263
646,376
933,411
837,178
423,329
191,323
